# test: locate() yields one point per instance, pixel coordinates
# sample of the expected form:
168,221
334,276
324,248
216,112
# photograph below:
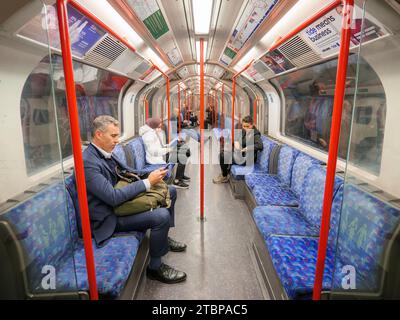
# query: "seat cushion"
263,157
274,196
239,172
294,259
42,226
271,220
136,147
312,195
367,224
266,180
113,266
286,158
301,166
119,154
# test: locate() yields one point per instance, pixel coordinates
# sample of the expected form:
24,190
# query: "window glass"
309,96
97,94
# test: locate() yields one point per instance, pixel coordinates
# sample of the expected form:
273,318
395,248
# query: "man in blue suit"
101,178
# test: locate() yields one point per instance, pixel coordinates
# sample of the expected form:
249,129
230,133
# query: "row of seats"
47,226
133,155
226,132
288,216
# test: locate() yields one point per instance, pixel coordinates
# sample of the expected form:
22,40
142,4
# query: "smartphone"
169,166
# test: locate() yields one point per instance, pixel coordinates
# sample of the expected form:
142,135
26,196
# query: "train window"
309,96
97,94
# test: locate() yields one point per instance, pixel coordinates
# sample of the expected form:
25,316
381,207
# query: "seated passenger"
245,150
194,121
159,153
101,177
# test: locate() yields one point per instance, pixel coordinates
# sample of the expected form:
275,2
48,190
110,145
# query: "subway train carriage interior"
199,149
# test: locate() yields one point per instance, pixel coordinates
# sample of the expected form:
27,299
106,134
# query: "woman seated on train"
157,152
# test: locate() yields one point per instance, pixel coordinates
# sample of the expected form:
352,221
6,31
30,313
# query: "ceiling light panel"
202,10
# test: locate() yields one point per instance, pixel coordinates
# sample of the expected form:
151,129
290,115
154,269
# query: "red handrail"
305,24
222,107
76,145
255,110
146,104
168,100
234,97
333,144
201,129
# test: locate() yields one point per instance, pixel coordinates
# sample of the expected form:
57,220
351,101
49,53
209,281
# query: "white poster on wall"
324,34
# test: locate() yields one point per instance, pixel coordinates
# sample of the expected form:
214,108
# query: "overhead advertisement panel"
150,13
324,34
253,74
277,62
84,33
174,56
255,13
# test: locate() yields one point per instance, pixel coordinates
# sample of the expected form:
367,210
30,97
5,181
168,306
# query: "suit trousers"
158,221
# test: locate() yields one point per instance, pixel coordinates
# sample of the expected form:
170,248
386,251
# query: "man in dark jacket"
245,149
101,177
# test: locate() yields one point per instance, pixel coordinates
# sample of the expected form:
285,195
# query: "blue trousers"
158,221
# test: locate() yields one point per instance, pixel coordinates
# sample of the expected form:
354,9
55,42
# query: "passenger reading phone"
157,152
101,178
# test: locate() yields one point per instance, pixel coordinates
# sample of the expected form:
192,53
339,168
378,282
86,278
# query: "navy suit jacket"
102,197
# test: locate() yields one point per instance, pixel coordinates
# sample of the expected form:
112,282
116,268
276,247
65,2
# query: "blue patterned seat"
304,220
272,220
277,195
274,196
294,260
286,158
262,164
44,230
113,266
119,154
138,152
294,255
367,224
46,226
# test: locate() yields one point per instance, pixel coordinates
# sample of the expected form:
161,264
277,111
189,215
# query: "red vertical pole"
333,144
202,129
216,111
185,105
233,109
76,145
255,111
222,107
162,113
147,108
179,108
168,111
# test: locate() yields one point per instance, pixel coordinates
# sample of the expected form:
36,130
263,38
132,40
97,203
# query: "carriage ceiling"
230,28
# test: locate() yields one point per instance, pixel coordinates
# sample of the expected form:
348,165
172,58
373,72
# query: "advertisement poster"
150,13
84,33
277,62
324,34
253,74
254,14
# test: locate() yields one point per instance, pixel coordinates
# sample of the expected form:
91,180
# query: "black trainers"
180,184
186,178
166,274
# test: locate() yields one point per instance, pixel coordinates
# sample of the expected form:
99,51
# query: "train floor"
219,261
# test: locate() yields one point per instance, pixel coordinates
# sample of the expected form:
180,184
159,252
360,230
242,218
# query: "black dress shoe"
186,178
176,246
166,274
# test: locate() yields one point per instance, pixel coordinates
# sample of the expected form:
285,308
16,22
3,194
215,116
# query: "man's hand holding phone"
157,176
